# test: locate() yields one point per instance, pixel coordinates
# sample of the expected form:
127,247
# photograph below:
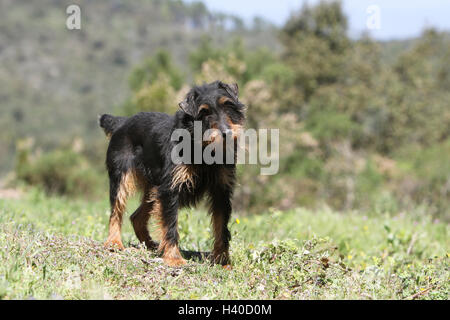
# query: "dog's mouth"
218,137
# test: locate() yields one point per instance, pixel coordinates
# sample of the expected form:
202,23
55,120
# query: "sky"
390,19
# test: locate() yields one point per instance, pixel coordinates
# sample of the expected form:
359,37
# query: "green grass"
51,248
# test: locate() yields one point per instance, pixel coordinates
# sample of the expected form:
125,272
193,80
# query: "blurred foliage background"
363,124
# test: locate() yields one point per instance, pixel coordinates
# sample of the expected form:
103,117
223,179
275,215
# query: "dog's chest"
193,182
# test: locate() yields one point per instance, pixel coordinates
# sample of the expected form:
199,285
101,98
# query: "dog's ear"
188,105
184,106
232,89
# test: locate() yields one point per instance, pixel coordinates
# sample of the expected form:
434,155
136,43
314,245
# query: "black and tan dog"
139,159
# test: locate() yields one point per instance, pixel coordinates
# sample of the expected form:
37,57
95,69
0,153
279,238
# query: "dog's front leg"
220,211
169,229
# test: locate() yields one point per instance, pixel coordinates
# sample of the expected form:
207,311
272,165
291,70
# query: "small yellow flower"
366,228
349,257
238,221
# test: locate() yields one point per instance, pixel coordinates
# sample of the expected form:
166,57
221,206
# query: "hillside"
54,81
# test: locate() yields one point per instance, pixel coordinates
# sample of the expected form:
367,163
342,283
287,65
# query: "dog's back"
137,144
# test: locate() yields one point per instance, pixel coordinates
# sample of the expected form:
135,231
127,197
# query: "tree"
315,42
152,68
154,86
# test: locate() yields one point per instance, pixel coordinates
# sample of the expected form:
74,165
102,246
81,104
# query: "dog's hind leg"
121,187
168,221
150,205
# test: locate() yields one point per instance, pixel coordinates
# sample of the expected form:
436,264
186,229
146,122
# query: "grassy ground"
51,248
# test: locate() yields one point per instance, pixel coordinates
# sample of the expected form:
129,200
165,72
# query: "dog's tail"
110,123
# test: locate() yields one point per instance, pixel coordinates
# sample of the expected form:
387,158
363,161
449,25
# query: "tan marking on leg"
156,207
142,215
171,253
127,186
172,256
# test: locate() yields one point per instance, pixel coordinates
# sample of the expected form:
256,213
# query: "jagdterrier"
139,159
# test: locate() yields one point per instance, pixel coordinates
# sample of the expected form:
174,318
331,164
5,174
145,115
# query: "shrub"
61,171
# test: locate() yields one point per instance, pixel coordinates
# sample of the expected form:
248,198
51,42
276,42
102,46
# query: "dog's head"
218,108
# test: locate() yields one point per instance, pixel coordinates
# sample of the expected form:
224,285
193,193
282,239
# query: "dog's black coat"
142,144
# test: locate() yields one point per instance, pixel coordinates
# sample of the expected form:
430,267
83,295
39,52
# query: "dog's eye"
228,103
204,112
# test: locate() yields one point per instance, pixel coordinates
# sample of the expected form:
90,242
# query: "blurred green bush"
62,171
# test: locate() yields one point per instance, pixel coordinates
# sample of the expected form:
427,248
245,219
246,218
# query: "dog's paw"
222,258
152,245
174,262
113,245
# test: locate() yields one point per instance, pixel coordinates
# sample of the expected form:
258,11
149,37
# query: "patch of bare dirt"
10,194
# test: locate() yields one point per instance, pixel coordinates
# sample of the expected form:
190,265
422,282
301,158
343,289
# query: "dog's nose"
227,132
